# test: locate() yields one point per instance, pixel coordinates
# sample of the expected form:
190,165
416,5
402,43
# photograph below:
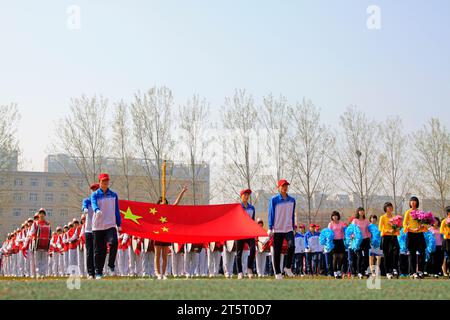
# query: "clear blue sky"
316,49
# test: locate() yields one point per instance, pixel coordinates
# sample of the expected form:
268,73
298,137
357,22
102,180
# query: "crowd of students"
95,245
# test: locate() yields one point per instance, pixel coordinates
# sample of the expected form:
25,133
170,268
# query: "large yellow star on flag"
163,219
164,229
153,211
130,216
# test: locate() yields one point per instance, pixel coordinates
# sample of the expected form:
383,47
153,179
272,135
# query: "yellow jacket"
409,223
444,230
385,227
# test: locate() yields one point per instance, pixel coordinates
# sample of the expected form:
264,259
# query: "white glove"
270,232
99,212
86,210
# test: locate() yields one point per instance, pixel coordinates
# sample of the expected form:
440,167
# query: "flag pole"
163,180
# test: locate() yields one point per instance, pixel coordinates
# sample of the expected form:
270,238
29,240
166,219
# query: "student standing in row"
250,210
105,224
389,242
281,227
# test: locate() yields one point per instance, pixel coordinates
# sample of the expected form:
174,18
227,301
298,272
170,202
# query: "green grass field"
225,289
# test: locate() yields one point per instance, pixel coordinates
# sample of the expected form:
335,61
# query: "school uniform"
105,221
177,259
299,254
192,260
281,221
228,259
136,257
123,254
88,237
312,250
148,260
73,249
214,259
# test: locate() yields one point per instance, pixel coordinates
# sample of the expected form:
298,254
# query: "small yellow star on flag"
163,219
153,211
130,216
164,229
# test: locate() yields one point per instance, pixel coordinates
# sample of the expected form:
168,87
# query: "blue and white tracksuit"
108,203
281,221
313,252
299,254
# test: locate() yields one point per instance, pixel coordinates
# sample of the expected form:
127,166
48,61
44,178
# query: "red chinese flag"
188,224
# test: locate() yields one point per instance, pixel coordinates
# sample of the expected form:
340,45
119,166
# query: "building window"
17,197
33,197
17,212
64,212
49,197
31,212
18,182
50,183
49,212
34,182
2,181
64,197
65,184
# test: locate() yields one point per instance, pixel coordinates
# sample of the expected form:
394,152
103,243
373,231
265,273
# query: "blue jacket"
250,210
312,241
108,204
281,214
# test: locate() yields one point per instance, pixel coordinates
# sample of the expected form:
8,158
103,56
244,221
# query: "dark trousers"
90,254
313,262
240,248
278,239
328,259
299,263
101,239
416,243
436,260
390,247
362,256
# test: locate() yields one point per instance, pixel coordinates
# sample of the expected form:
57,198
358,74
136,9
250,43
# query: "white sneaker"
250,273
111,272
360,276
187,276
389,276
98,277
160,277
279,277
164,277
227,275
288,272
240,276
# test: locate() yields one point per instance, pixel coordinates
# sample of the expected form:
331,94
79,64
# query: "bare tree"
193,125
9,150
275,120
241,154
395,161
152,128
122,149
9,145
81,136
358,160
310,155
432,144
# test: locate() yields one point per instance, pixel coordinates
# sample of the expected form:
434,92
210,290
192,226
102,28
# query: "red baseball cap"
245,191
312,225
317,226
302,225
282,183
94,186
103,176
